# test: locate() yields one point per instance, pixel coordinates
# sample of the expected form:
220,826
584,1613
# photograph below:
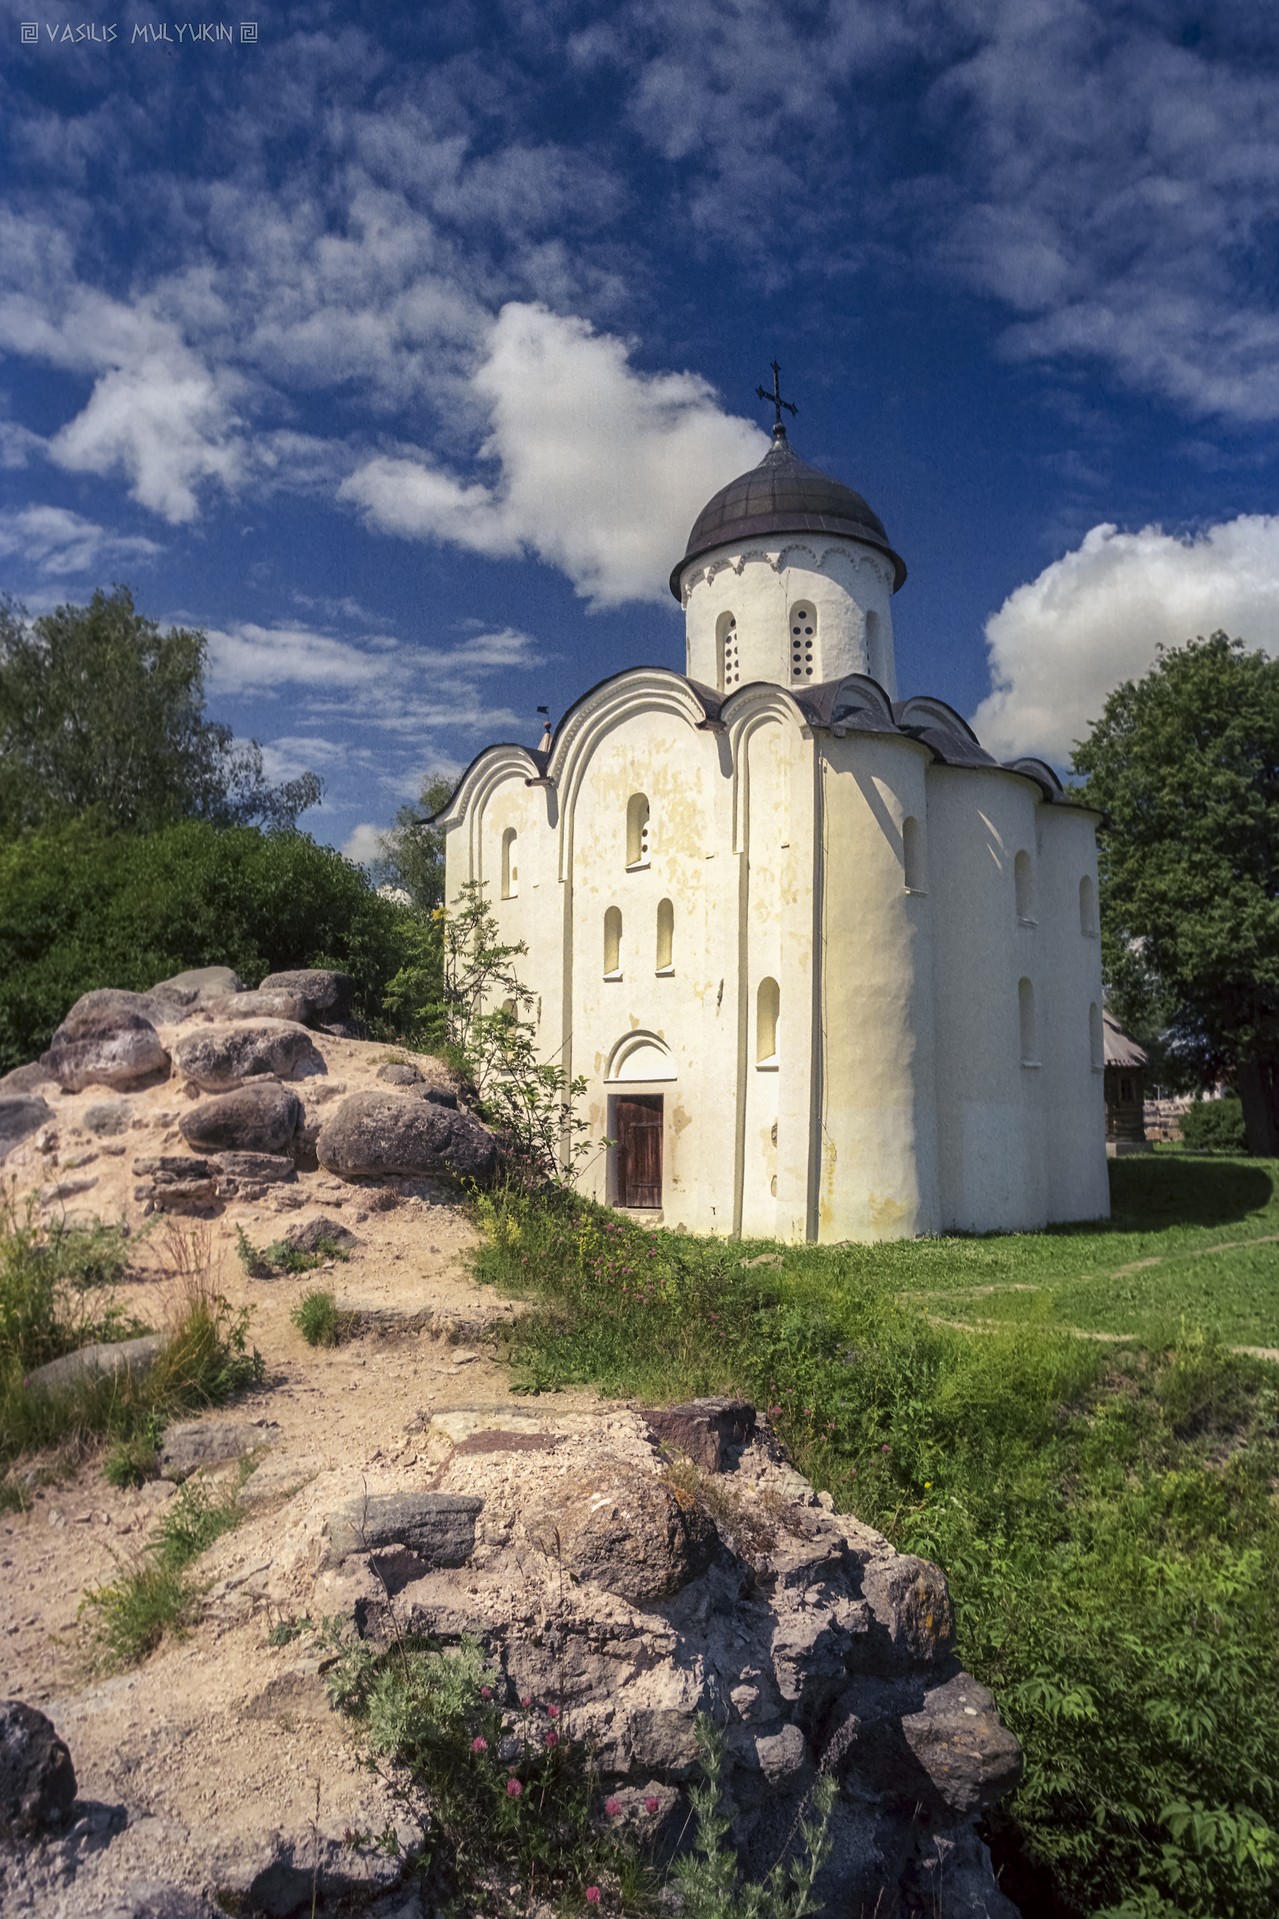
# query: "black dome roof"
783,495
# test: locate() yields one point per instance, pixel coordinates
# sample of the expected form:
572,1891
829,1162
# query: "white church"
829,970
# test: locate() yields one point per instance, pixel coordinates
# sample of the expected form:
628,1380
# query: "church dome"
784,495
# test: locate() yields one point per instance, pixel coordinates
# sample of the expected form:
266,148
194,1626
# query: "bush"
1214,1126
83,907
321,1321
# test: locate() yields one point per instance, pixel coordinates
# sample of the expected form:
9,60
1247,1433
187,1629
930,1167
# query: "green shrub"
1214,1126
321,1321
130,1615
132,1462
280,1257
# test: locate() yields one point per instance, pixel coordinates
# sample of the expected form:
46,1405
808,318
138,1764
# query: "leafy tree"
413,853
101,711
1185,766
81,906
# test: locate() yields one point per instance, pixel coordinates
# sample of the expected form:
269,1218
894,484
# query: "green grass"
128,1617
321,1321
269,1262
1105,1512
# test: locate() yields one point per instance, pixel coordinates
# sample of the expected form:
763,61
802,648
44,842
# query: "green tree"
413,852
100,711
1184,764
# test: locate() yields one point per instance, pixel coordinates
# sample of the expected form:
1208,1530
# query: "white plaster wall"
877,1161
845,581
1075,1114
990,1107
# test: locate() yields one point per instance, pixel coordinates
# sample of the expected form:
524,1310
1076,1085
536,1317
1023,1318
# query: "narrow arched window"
803,638
1096,1038
767,1011
637,830
730,668
665,937
913,857
510,865
1087,908
613,943
1026,1018
1024,887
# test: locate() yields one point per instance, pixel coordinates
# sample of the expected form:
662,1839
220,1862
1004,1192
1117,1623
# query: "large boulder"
20,1116
327,993
23,1079
638,1536
259,1117
216,1058
107,1039
185,991
37,1778
259,1005
135,1356
390,1135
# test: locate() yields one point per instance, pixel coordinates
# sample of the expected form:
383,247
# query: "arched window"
508,1009
510,865
913,857
803,637
1026,1017
767,1011
1087,908
730,667
665,937
1096,1038
637,830
613,943
873,661
1024,886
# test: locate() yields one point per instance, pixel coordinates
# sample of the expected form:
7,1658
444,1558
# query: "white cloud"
364,843
1096,617
601,468
56,541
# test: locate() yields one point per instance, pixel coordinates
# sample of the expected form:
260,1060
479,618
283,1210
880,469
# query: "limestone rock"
247,1175
438,1529
37,1778
20,1116
194,987
107,1118
197,1443
259,1117
106,1040
704,1429
634,1534
314,1233
392,1135
174,1184
90,1362
217,1058
327,993
259,1005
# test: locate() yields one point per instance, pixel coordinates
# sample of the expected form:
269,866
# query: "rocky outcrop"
195,987
169,1183
636,1594
23,1079
37,1778
259,1117
196,1444
381,1135
107,1039
217,1058
325,993
20,1116
93,1362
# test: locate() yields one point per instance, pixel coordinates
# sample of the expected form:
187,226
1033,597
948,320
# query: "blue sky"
400,353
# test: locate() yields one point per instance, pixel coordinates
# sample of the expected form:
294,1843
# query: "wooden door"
638,1123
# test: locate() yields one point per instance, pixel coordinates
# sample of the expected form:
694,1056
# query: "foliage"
133,1461
281,1257
321,1321
129,1616
708,1878
101,712
1103,1512
413,852
1213,1126
83,907
1185,765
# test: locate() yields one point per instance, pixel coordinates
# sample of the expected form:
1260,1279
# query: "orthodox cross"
775,400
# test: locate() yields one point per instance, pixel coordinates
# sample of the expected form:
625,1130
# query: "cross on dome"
775,400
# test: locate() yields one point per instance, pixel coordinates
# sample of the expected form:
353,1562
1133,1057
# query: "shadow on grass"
1150,1192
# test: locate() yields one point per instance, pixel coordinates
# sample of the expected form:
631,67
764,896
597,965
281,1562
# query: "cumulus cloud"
55,541
601,468
364,843
1096,617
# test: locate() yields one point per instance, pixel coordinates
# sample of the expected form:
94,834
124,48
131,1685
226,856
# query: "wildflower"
552,1712
775,1412
486,1692
526,1700
613,1807
550,1738
885,1448
513,1789
652,1803
592,1895
479,1744
928,1485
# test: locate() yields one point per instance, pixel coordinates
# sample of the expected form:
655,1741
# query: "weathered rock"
908,1597
438,1529
20,1116
400,1073
630,1532
196,985
236,1170
259,1005
259,1117
136,1356
108,1118
23,1079
106,1040
217,1058
174,1184
314,1233
197,1443
380,1135
37,1778
327,993
437,1095
970,1757
704,1429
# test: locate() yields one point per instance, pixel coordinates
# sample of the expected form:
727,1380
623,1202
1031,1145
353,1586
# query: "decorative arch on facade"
755,708
924,711
640,1056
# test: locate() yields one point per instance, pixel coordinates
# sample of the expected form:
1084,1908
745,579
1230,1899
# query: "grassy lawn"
1105,1510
